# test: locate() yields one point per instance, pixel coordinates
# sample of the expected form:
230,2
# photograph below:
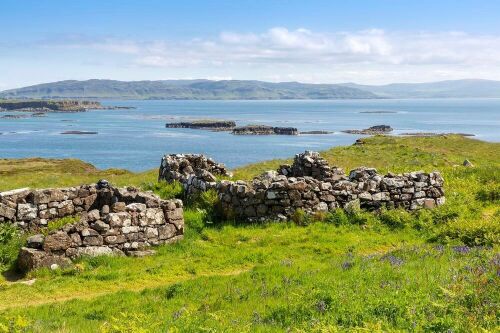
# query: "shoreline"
142,171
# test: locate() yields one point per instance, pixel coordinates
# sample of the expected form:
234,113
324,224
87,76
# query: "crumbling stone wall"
196,172
280,196
181,166
312,185
311,164
113,221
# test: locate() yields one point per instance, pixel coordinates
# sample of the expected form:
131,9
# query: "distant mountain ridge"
187,89
467,88
252,90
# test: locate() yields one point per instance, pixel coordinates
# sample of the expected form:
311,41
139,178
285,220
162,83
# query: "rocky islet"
373,130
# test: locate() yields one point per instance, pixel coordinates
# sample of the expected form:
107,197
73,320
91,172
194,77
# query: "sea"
136,139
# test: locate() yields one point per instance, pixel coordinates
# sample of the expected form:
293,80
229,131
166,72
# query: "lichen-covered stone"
27,211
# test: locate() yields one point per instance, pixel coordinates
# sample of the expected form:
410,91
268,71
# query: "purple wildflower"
347,265
496,260
439,248
321,306
463,249
393,260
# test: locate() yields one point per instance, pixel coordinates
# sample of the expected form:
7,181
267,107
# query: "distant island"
186,90
41,106
250,90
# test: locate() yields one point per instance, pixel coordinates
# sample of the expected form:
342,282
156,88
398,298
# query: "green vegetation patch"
426,271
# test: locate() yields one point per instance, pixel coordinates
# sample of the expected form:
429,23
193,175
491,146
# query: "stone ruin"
311,164
112,221
196,172
311,185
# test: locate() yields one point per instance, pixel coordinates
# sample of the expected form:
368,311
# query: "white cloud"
301,46
366,56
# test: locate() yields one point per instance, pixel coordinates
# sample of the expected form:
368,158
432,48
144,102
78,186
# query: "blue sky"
372,42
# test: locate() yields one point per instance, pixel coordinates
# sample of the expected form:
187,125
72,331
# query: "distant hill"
469,88
259,90
187,89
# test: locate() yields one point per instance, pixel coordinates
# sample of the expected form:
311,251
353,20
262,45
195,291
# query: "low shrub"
362,218
207,202
15,324
300,217
195,220
396,218
165,190
489,193
338,217
472,233
11,240
59,223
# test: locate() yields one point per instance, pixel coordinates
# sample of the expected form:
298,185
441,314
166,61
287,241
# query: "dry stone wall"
196,172
112,221
312,185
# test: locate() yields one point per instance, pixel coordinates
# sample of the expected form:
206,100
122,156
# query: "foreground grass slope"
433,271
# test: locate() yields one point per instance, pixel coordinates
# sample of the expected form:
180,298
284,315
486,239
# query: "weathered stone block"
136,207
175,214
118,207
7,212
152,216
92,240
35,241
29,259
100,226
93,215
122,219
89,232
58,241
93,251
166,231
151,232
429,203
27,211
381,196
129,229
118,239
65,208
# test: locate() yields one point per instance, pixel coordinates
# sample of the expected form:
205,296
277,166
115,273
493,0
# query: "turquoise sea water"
136,139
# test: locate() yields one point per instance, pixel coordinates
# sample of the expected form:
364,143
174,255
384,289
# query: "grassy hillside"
431,271
401,154
44,173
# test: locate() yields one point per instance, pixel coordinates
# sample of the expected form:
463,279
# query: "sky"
313,41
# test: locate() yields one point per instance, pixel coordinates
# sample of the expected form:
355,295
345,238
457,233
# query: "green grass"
45,173
388,272
399,154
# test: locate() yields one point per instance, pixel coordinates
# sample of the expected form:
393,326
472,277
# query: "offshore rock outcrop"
311,185
377,129
213,125
65,105
265,130
112,221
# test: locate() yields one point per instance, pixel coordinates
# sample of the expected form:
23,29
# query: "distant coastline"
250,90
